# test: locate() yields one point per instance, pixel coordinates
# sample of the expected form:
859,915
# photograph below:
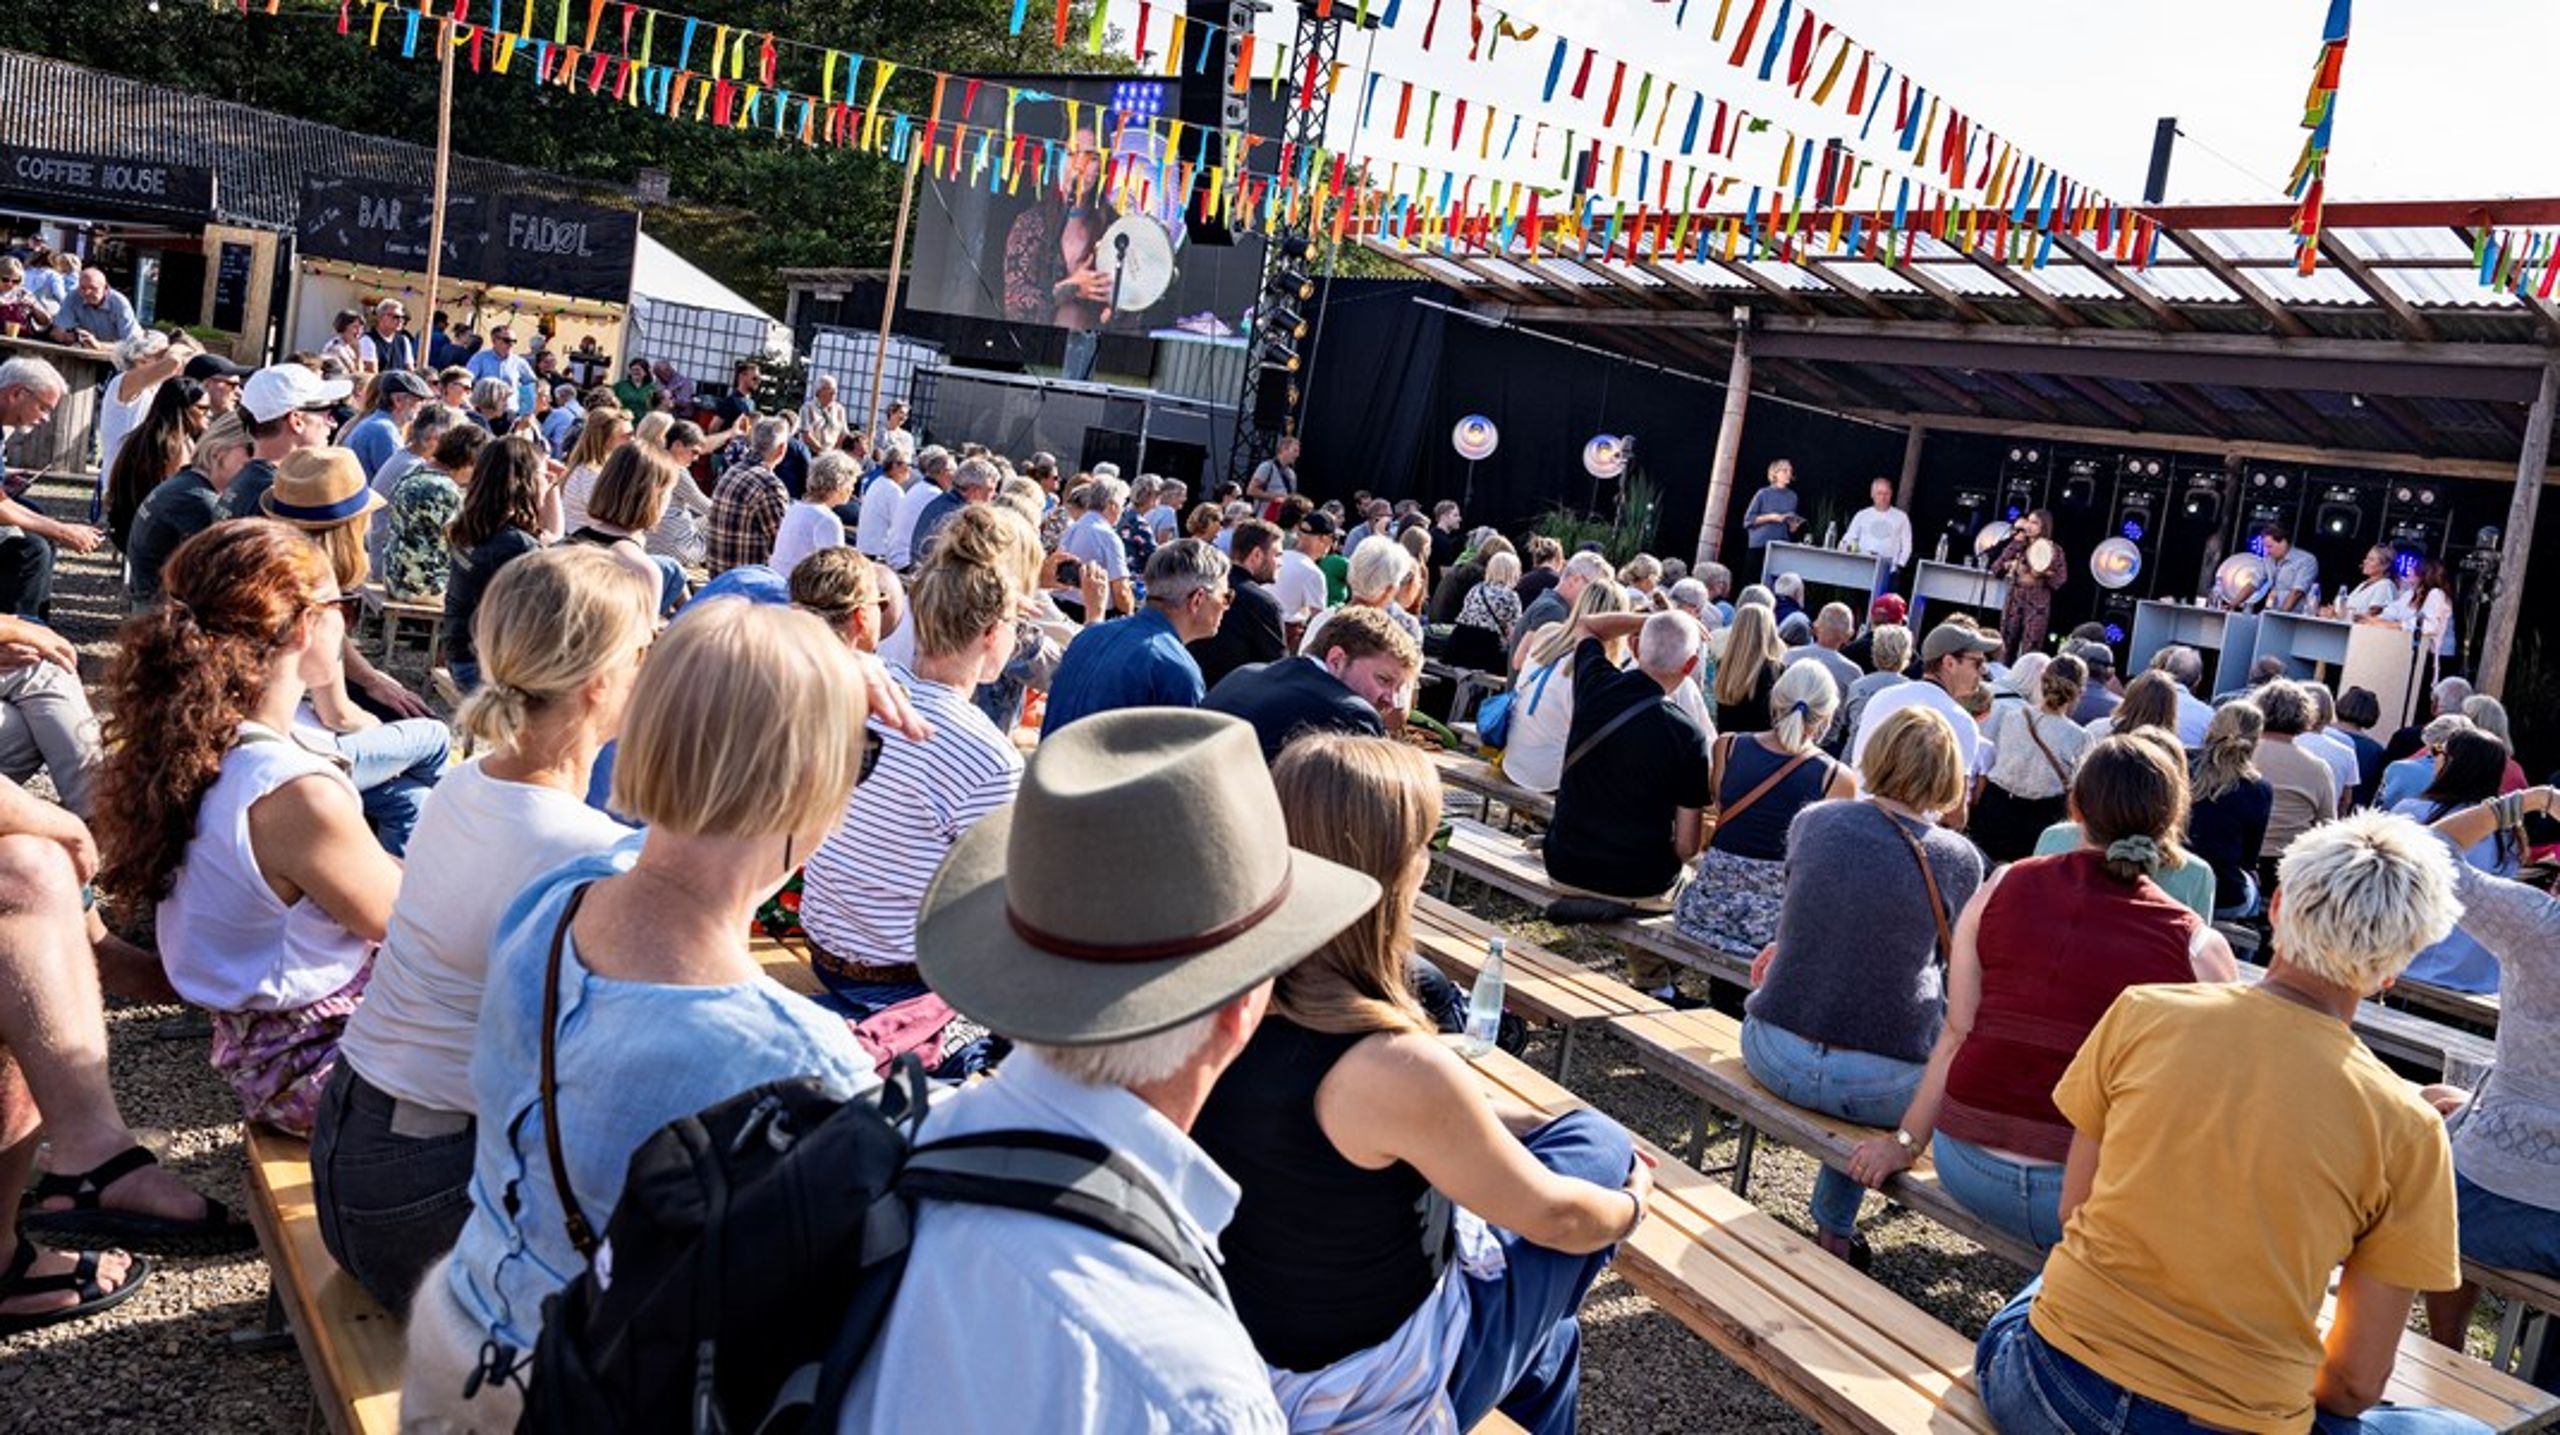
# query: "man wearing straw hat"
1125,1004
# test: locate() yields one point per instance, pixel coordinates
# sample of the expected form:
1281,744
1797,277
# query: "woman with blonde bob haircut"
1367,1152
1850,996
561,637
630,498
643,950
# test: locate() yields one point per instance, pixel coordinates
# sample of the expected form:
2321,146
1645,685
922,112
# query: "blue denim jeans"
2249,905
1444,1000
2497,1231
1855,1086
1523,1347
671,584
390,1202
395,766
2022,1198
2030,1388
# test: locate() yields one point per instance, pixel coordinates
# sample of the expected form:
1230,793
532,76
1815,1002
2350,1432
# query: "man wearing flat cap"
1125,1002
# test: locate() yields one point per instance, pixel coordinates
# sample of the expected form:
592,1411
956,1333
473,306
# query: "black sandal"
87,1219
82,1281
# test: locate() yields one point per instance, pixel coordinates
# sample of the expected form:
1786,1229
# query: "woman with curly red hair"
271,890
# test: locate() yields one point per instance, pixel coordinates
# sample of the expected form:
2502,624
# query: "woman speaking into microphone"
2033,565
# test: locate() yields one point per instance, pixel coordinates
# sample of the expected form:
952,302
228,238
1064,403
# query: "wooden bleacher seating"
2473,1009
1502,862
394,615
1538,985
1834,1344
353,1349
1476,776
1701,1053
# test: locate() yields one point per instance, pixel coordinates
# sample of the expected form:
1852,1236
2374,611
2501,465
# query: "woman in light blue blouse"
662,1009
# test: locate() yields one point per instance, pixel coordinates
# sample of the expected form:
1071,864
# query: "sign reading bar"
553,246
71,180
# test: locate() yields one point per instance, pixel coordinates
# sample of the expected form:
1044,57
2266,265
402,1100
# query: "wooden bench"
1701,1053
1475,775
353,1349
1538,984
393,614
1502,862
1829,1341
2472,1009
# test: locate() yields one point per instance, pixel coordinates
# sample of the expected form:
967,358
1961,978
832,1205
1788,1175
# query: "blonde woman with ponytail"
1404,1248
1761,781
560,636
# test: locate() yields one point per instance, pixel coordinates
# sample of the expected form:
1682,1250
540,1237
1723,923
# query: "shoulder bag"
1928,877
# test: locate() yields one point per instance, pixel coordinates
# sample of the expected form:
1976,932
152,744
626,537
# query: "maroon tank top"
2058,941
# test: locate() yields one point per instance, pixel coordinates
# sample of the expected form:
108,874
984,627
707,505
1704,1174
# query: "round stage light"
1605,456
1475,437
2115,563
2240,575
1993,534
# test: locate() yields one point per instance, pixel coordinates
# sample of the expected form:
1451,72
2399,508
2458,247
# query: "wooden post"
2499,645
1737,397
426,333
1909,483
889,301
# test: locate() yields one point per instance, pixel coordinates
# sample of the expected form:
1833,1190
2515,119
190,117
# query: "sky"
2440,98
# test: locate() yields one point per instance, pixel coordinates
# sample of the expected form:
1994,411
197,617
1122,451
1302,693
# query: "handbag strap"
581,1235
2061,775
1583,748
1742,804
1929,876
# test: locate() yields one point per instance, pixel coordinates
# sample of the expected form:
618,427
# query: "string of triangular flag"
2310,183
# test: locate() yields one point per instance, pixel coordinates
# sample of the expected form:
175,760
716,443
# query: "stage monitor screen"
1057,250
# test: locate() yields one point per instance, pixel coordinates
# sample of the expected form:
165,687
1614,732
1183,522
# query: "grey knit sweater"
2509,1138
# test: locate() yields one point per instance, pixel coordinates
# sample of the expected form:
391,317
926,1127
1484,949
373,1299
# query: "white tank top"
116,420
226,941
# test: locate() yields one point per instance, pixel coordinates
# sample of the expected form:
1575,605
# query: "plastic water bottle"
1942,548
1831,535
1484,1002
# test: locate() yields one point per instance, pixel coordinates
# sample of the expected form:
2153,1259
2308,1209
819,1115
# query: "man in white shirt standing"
1125,1004
1300,588
880,498
1881,531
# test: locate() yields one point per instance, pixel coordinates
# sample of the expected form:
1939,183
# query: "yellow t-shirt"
2248,1147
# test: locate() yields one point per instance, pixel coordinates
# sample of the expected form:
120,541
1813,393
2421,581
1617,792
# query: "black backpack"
759,1243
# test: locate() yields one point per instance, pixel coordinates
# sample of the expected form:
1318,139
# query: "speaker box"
1275,399
1204,100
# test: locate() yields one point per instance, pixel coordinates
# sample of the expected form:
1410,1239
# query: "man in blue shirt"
1142,661
561,424
94,316
2293,574
378,435
501,361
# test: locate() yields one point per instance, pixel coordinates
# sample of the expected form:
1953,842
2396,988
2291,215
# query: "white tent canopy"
683,315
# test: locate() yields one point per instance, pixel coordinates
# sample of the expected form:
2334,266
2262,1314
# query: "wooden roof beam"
2487,470
2161,311
2405,317
1784,297
2186,401
2059,312
2405,421
2221,268
1930,284
1864,297
2018,393
2291,408
1939,384
2099,394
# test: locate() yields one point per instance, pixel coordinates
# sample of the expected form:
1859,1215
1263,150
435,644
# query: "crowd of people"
1099,803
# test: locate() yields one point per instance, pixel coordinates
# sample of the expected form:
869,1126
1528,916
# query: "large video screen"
1062,249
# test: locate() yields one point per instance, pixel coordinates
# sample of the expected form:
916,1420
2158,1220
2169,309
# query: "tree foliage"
747,204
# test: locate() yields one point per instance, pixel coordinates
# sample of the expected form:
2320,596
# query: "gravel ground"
161,1361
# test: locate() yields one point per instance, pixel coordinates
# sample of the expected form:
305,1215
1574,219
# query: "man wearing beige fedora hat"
394,763
1126,1002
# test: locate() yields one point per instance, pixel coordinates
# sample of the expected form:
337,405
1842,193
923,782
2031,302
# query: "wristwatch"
1904,1139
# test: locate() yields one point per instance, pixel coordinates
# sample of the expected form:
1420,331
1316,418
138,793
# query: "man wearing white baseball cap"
288,407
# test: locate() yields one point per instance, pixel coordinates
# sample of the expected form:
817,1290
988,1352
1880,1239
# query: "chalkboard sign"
232,276
549,245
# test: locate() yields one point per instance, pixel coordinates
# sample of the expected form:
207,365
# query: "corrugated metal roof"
259,158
